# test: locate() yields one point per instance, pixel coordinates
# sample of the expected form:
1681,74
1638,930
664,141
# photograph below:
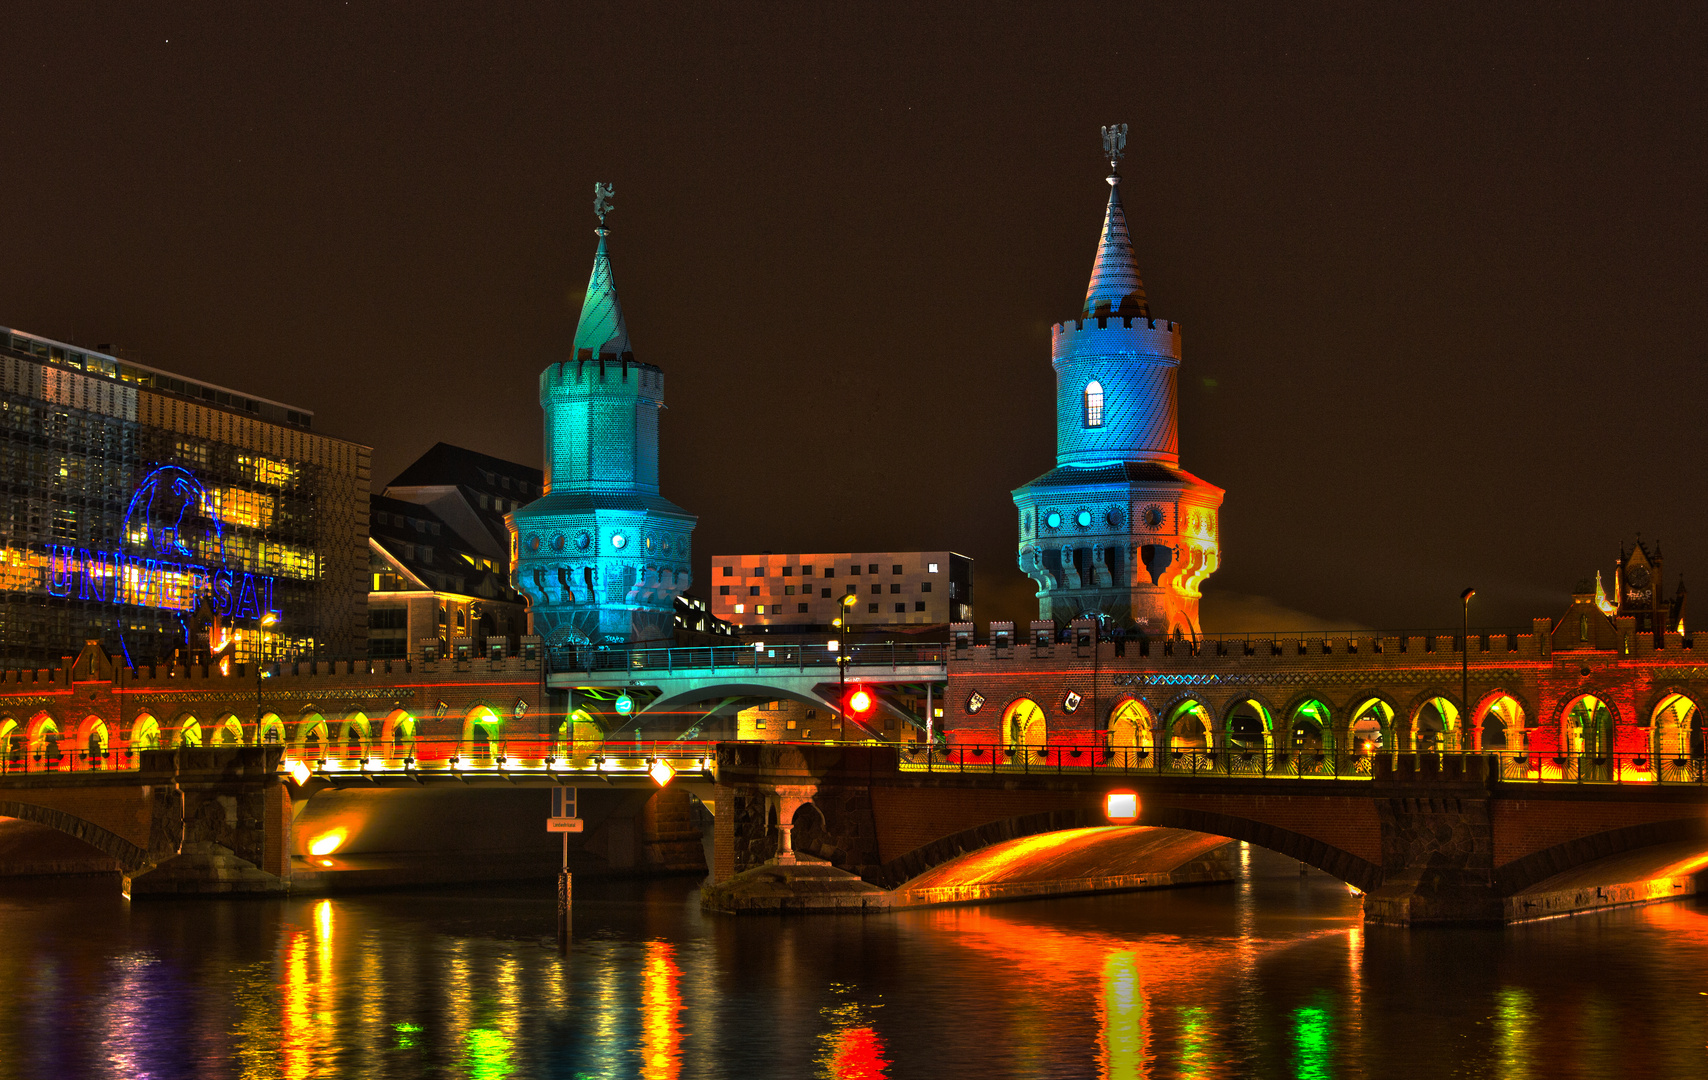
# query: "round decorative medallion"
557,542
534,542
1083,519
1151,517
1113,516
618,540
1054,521
582,539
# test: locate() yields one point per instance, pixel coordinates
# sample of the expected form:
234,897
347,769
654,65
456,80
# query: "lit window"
1094,404
739,608
759,610
932,568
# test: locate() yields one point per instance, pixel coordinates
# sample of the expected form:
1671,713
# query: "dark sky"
1440,268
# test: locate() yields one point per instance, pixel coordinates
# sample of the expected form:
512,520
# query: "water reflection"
1272,977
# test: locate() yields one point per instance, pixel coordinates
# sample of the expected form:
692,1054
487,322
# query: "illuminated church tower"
602,556
1117,527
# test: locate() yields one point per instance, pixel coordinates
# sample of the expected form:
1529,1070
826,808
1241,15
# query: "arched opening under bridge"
1023,728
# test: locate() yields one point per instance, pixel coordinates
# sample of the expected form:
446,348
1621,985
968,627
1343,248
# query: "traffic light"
859,703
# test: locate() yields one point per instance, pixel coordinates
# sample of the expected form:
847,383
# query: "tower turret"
1118,528
602,556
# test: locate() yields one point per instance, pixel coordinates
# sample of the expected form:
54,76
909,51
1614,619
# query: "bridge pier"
1437,862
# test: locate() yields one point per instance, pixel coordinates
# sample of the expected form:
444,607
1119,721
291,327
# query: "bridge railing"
763,656
1517,767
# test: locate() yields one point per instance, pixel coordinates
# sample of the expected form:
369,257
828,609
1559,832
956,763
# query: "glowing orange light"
328,842
661,772
1122,807
859,702
299,772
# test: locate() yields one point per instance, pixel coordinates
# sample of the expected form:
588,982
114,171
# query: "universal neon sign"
173,518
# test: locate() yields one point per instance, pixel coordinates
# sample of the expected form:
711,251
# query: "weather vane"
602,194
1115,144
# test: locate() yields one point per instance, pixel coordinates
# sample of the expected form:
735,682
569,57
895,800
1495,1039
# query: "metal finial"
602,195
1115,144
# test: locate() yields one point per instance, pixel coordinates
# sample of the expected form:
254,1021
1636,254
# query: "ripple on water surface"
1271,976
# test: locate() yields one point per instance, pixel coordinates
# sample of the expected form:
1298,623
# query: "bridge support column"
1437,863
788,799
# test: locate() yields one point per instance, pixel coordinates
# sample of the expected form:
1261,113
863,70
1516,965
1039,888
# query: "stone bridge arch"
1344,865
129,856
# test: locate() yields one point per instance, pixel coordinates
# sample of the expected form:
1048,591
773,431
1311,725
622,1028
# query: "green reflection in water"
489,1054
1514,1015
406,1034
1194,1021
1313,1042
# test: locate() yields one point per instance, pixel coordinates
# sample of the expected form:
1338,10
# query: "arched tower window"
1094,404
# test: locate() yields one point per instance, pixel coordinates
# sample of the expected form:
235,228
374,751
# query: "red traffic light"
860,703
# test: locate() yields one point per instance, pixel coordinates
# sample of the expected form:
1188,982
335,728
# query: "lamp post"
1465,671
269,619
846,604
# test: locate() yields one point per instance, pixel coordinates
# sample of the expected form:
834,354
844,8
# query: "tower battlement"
606,374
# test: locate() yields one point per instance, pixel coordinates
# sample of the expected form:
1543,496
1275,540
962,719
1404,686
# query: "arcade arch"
1309,729
11,744
313,736
229,732
1678,728
92,742
354,737
1249,727
188,732
1501,725
481,730
1371,731
1589,735
1190,727
1023,726
272,731
145,733
1435,726
1130,728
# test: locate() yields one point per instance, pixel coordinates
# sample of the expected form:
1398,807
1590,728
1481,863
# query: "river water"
1271,977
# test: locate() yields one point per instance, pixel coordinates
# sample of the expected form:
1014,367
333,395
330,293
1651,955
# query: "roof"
1116,288
434,553
602,330
1118,472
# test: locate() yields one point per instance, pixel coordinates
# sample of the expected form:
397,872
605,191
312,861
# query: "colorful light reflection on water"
1273,977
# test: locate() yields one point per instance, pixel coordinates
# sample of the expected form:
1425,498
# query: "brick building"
896,589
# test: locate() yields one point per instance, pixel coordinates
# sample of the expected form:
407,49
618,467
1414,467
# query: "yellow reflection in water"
661,1013
1121,1039
1514,1015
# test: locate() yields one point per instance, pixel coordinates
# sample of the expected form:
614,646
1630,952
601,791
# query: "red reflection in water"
857,1054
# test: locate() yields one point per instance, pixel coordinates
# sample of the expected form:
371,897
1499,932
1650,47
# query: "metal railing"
762,656
1539,767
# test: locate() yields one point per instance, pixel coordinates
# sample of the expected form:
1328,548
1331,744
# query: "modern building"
165,517
801,592
602,557
1118,529
439,555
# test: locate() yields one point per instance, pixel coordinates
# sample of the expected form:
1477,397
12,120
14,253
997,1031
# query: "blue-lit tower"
602,556
1117,527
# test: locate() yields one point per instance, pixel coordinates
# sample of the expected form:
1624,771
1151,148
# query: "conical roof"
602,328
1116,288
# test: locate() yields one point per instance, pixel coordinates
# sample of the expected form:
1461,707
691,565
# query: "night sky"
1440,268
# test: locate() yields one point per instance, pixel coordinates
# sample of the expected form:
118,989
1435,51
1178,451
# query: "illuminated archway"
229,732
272,731
1023,726
1678,729
397,734
92,742
1435,726
1371,731
1249,728
1501,727
11,745
1309,730
1190,729
144,733
481,734
188,733
1589,736
1130,728
313,736
353,737
44,742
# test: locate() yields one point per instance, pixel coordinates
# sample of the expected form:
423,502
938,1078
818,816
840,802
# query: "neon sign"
172,518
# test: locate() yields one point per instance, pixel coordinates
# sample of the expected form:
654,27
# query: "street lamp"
271,618
846,606
1465,672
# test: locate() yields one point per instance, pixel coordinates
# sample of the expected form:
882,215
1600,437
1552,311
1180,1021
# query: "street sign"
563,824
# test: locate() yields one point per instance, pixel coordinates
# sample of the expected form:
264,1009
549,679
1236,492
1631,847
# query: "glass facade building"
158,514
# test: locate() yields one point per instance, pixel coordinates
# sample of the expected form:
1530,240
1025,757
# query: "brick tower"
1117,528
602,556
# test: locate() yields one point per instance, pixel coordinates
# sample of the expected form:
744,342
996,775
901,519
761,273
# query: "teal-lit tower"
602,556
1118,528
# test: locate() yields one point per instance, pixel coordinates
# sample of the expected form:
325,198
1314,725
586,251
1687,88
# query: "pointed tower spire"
1116,288
602,330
